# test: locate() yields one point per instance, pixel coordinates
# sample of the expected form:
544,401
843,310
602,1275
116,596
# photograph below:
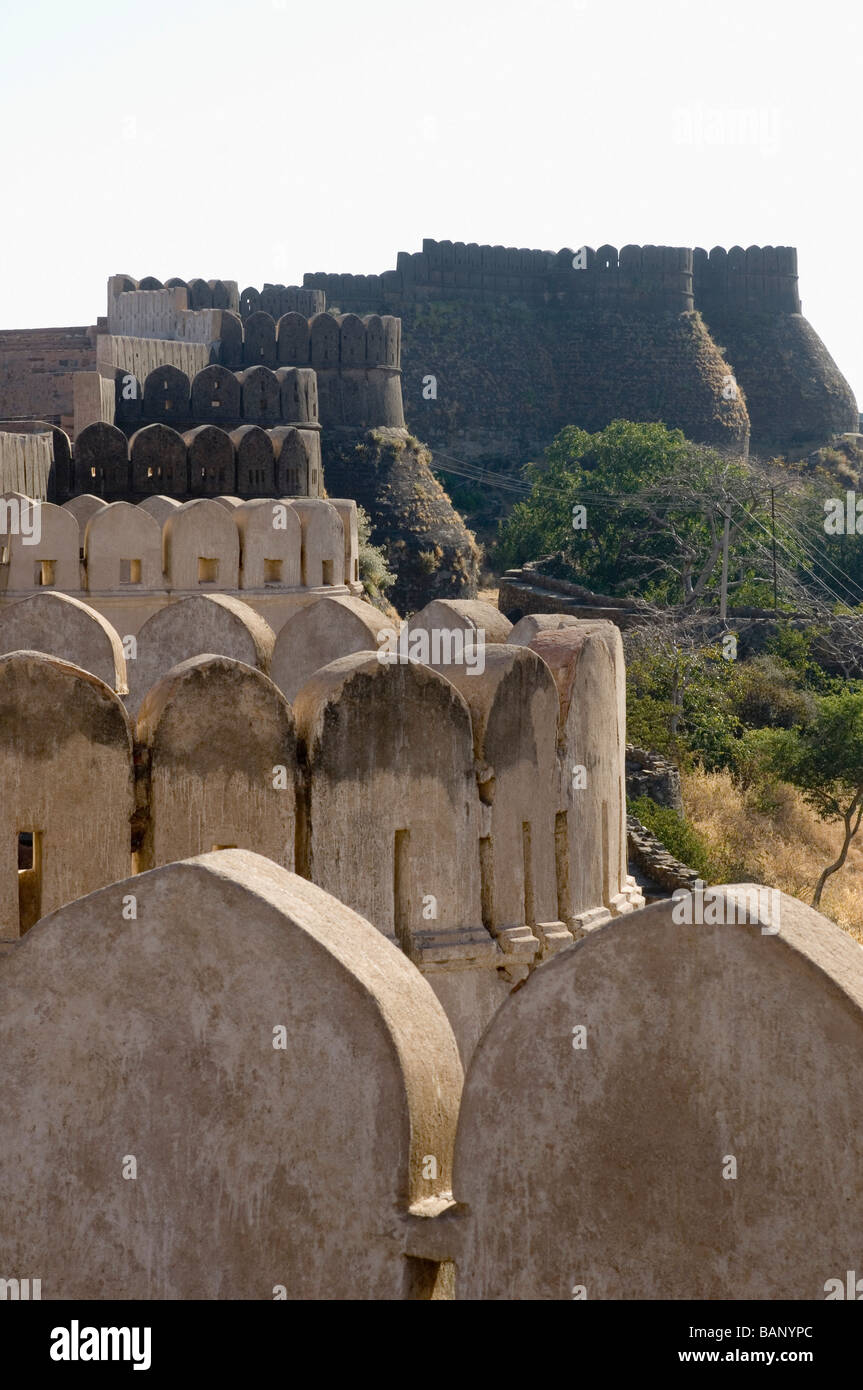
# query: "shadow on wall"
447,804
726,1051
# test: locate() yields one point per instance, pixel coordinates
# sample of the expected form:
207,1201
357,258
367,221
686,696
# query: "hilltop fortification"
195,390
199,388
521,343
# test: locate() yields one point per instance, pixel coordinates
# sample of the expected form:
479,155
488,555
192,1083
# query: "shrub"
768,696
375,575
676,834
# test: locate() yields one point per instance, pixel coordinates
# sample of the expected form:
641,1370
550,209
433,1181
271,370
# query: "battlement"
255,395
199,294
268,326
761,279
203,461
152,551
418,743
653,278
277,300
649,277
358,360
325,340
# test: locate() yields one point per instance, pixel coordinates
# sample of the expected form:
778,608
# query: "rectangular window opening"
486,876
29,879
401,889
272,571
44,573
327,572
130,571
208,570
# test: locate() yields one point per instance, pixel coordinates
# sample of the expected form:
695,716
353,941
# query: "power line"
659,501
822,560
819,583
838,578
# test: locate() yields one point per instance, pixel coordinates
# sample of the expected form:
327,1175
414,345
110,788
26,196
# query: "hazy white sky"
262,139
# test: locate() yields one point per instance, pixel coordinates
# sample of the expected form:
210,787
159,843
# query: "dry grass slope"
786,847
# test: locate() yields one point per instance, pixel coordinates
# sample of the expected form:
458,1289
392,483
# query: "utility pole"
773,527
723,593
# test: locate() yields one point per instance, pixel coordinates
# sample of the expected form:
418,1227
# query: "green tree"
655,507
824,760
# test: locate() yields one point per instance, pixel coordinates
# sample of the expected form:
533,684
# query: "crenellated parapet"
205,460
151,327
196,294
277,300
256,395
436,800
647,277
137,564
674,278
325,340
357,362
606,333
761,279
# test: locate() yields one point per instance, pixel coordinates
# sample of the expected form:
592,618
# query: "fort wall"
356,360
459,1183
277,300
408,794
26,462
207,460
149,309
130,563
520,343
36,371
656,278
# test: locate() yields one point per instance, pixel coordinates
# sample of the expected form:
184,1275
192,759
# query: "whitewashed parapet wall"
425,798
130,561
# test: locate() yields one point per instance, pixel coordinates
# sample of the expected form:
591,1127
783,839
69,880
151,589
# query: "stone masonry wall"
36,367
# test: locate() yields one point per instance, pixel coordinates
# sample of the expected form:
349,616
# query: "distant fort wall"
357,360
204,461
518,344
672,278
36,370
